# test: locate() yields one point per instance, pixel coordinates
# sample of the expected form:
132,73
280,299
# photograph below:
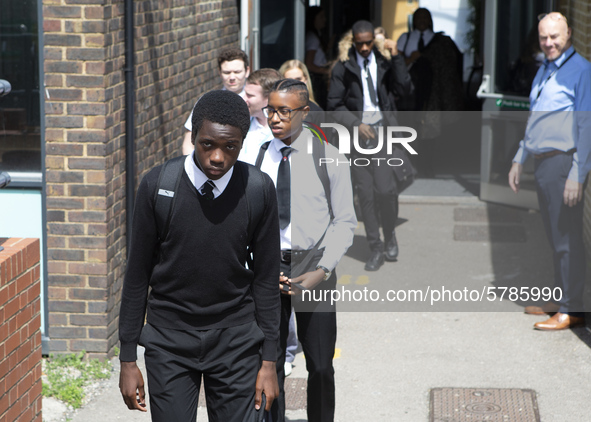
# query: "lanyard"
552,74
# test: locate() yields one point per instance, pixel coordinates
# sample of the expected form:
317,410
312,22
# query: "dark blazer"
346,89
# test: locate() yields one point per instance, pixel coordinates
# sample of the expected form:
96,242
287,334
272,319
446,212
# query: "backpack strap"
168,183
261,155
256,200
318,152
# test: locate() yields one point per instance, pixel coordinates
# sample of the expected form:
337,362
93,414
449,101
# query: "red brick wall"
176,43
20,335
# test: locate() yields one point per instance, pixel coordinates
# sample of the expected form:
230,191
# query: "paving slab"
391,355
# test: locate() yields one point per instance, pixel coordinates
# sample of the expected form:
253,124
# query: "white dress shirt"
198,178
309,209
371,111
413,41
313,43
256,136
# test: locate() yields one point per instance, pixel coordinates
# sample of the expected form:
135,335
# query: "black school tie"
207,190
284,188
421,43
370,87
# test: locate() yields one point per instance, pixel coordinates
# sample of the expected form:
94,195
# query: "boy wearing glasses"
306,228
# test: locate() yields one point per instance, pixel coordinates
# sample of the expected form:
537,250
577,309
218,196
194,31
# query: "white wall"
450,16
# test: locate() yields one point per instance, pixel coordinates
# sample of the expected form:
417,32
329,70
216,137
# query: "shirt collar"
198,178
241,93
425,33
255,124
361,59
560,60
297,145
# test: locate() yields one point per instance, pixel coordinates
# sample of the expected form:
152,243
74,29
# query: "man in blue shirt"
558,135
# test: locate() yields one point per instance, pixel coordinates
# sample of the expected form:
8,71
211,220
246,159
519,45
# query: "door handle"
484,92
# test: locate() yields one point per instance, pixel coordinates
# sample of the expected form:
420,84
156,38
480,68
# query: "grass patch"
67,375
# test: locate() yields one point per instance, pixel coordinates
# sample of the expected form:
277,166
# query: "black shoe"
375,262
391,251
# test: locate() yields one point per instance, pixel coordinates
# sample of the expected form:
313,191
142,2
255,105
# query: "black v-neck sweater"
197,275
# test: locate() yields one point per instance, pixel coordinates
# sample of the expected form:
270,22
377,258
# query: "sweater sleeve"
266,257
144,244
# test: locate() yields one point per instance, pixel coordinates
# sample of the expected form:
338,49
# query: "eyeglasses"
555,16
284,113
364,43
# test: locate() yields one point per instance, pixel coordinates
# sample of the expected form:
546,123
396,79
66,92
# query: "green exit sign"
521,105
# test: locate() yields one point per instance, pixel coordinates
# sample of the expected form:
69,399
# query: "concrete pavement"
391,354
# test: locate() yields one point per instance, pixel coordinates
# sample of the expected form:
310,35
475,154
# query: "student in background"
295,69
257,89
316,52
234,69
310,238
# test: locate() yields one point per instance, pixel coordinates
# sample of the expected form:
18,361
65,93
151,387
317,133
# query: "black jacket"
346,89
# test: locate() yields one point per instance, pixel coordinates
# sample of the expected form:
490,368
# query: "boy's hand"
266,383
131,385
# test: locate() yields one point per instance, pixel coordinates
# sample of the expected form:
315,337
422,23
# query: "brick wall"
578,13
176,45
20,335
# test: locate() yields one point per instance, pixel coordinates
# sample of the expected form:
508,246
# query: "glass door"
512,57
21,153
20,113
272,32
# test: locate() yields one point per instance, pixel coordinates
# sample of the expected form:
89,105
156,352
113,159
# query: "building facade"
68,158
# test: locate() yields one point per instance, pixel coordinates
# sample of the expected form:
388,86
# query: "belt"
552,153
288,254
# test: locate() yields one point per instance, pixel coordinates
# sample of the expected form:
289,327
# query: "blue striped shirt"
552,125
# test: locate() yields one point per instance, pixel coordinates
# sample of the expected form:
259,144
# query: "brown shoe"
559,321
548,308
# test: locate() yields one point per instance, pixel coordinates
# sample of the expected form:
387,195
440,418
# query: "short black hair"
223,107
294,86
361,27
426,12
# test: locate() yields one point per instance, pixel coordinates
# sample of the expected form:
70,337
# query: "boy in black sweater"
207,314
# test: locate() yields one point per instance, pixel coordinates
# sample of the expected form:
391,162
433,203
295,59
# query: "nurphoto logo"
392,134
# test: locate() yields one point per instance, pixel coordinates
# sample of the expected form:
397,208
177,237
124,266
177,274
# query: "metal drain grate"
483,405
295,393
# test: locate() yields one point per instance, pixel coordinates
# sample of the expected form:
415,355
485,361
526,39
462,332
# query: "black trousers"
378,200
564,228
317,332
227,358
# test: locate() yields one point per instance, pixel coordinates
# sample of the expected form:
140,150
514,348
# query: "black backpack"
168,183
